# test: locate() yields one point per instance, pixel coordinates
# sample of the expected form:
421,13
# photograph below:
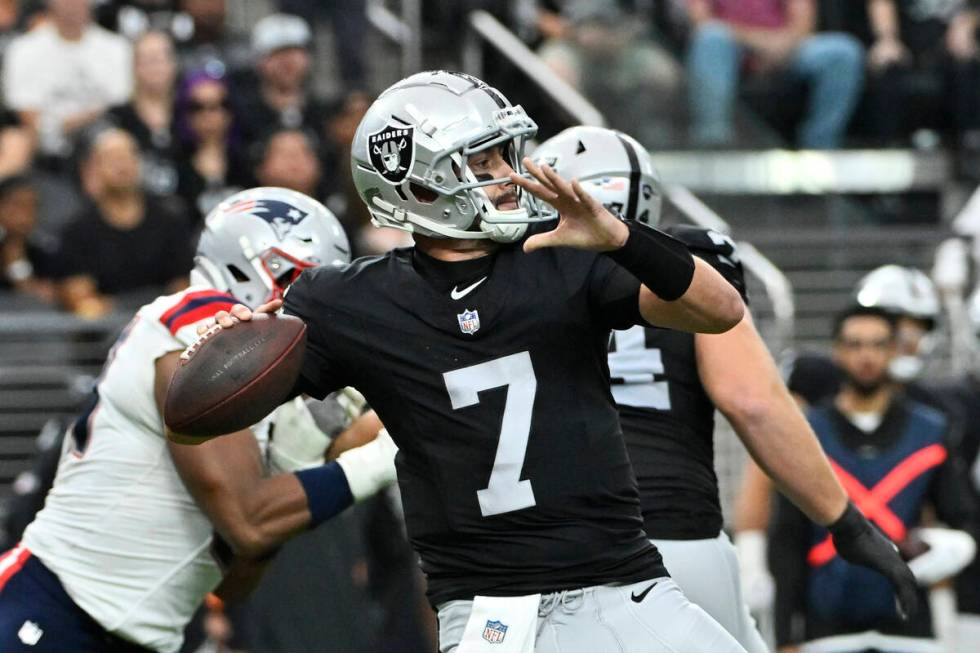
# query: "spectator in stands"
64,74
349,22
211,167
767,36
288,158
149,115
204,40
25,253
602,48
916,40
16,144
124,240
281,98
891,454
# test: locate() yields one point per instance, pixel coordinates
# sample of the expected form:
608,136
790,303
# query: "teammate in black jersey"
487,362
667,385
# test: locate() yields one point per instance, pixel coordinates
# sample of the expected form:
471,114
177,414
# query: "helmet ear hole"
423,194
239,276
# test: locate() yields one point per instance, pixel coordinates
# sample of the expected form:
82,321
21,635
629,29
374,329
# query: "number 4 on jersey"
506,491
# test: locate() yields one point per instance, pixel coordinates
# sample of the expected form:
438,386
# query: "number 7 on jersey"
506,491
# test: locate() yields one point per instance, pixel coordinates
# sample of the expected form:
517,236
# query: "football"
232,378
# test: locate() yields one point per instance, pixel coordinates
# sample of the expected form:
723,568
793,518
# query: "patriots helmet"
611,166
410,151
258,241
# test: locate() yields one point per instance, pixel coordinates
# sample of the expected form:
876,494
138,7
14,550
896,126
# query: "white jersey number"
506,491
637,366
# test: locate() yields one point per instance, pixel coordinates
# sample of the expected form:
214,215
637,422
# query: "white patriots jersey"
118,528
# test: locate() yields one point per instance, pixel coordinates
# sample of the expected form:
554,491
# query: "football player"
122,553
667,385
483,349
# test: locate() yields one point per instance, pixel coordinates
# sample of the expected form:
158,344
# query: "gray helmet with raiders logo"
612,166
258,241
410,151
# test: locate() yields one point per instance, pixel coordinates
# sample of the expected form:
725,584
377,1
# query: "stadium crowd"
123,123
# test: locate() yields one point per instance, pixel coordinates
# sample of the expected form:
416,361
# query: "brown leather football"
232,378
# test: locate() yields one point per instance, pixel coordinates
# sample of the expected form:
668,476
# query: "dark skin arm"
253,513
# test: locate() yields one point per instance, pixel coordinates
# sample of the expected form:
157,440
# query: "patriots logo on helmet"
392,152
281,216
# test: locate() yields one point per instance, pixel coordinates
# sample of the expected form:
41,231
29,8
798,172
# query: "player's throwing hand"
583,222
238,313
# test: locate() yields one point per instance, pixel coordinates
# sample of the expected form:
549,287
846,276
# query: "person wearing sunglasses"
211,166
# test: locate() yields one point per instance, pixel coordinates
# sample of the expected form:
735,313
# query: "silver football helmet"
258,241
611,166
901,290
906,292
409,158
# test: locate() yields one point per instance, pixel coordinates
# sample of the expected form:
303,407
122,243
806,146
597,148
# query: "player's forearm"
783,445
743,382
710,304
241,578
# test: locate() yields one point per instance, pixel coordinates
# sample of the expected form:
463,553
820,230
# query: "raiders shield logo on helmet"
392,152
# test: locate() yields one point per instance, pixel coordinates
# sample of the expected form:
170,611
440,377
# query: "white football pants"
707,572
648,617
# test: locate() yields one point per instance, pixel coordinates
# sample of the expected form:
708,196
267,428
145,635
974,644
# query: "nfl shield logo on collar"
469,321
494,632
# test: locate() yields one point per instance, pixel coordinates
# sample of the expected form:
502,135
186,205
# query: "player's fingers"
538,174
241,312
535,188
557,183
207,324
270,307
585,198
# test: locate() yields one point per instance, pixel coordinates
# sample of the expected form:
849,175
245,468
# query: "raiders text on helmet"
410,151
612,166
257,242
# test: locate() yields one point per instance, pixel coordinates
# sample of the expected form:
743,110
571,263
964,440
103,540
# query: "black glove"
860,543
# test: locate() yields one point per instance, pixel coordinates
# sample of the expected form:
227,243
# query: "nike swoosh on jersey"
459,294
637,598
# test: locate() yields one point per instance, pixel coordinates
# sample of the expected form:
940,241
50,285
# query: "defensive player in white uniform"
122,553
667,385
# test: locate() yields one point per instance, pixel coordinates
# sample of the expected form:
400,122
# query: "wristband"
661,263
327,492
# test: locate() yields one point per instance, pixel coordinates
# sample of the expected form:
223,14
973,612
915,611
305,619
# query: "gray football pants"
707,572
609,619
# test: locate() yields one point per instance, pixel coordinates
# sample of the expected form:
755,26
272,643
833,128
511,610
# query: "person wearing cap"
281,97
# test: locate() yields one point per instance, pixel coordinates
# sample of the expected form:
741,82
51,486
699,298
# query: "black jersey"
667,417
491,377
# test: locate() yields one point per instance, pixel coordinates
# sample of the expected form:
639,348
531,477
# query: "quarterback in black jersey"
483,350
667,385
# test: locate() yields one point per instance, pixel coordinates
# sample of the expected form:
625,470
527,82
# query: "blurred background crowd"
830,137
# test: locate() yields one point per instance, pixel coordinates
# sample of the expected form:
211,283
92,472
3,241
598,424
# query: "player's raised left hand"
583,222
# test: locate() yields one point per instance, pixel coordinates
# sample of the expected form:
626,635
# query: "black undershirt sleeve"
320,374
949,492
614,295
787,563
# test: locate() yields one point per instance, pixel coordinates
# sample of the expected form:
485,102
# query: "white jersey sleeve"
118,528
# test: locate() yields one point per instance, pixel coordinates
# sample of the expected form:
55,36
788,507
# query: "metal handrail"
484,28
404,30
777,285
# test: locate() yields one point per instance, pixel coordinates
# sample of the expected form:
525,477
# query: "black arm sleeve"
787,563
950,494
320,374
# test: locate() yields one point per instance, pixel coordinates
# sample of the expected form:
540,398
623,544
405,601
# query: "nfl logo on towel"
494,632
469,323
